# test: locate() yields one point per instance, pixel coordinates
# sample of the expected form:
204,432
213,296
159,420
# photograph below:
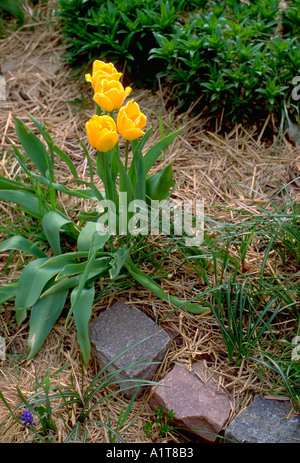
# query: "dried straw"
239,169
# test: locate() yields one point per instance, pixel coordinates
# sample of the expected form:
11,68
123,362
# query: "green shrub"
227,56
237,59
10,8
291,19
121,31
232,60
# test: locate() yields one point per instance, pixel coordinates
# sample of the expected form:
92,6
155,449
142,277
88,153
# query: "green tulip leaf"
82,311
158,185
19,243
48,139
89,236
8,184
137,147
21,314
140,183
155,151
8,291
61,285
65,158
53,224
44,314
152,286
92,193
99,265
13,8
33,281
64,259
34,148
93,251
120,257
26,200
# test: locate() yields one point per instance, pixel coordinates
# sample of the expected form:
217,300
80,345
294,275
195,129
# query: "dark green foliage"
236,60
232,59
121,31
291,19
10,8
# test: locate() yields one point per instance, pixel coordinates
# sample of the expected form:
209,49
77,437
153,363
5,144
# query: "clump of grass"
256,306
77,404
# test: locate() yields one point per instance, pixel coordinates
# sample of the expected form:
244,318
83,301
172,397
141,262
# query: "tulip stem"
104,175
126,153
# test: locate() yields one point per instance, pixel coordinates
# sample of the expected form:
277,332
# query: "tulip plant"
56,279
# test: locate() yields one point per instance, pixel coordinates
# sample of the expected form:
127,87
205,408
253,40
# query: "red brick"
199,405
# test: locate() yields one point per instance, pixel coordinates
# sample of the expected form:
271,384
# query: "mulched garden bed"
240,169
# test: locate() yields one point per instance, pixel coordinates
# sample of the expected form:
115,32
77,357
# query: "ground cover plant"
13,8
41,407
246,271
122,31
232,60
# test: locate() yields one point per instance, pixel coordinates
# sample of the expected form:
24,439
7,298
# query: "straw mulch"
229,170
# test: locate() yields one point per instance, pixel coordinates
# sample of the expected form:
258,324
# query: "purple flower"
27,418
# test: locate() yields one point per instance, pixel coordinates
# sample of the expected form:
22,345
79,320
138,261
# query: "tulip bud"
130,121
102,133
102,71
110,95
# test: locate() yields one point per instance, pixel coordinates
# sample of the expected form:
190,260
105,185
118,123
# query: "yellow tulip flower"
130,121
102,71
110,95
102,133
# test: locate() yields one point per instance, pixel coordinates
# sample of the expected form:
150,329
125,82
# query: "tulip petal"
124,123
128,90
130,121
133,109
140,121
133,134
107,140
108,122
106,69
101,132
104,102
116,97
110,94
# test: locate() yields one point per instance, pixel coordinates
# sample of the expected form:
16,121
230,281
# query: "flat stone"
9,67
48,64
117,329
198,405
264,421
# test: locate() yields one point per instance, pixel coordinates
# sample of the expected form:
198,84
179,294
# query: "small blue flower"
27,418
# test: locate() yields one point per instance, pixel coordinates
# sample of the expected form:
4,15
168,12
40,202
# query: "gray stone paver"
117,329
265,421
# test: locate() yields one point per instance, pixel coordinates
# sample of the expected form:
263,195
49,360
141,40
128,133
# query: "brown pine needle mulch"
239,170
